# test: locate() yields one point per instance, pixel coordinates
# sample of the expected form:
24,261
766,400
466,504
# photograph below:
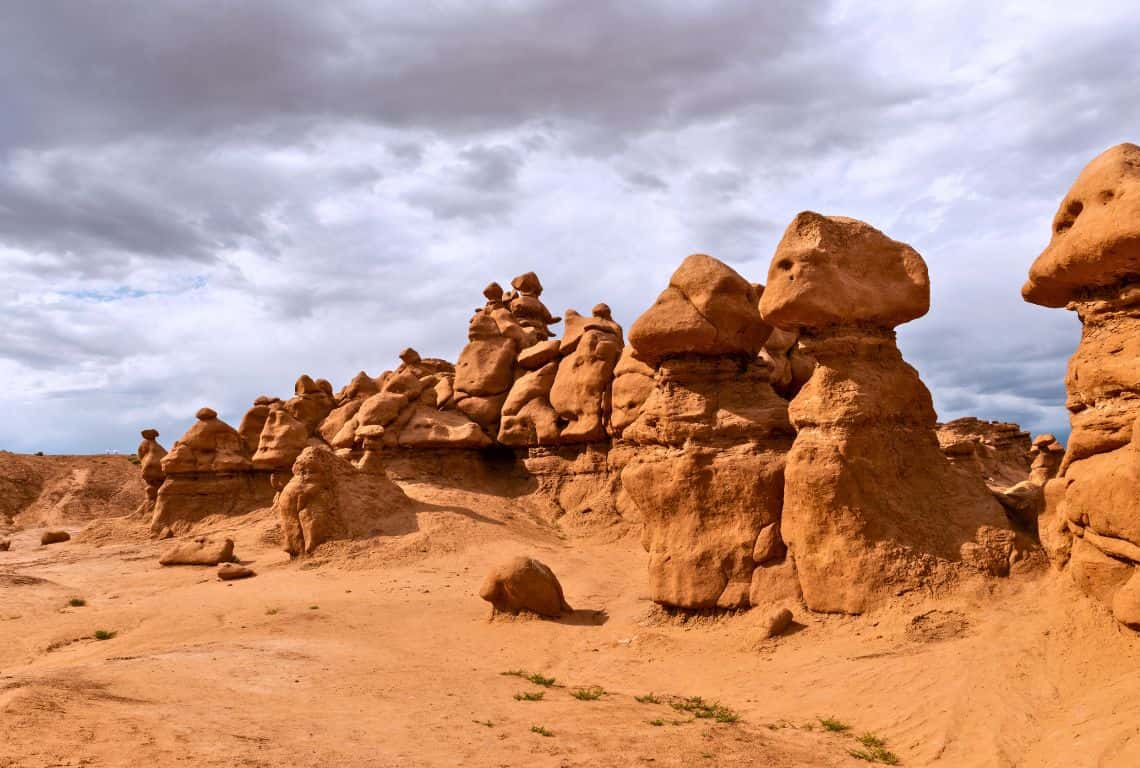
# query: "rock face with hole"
871,505
711,436
1091,522
328,498
524,584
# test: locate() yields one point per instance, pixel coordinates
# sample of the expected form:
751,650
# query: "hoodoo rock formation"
1091,522
711,437
871,505
208,471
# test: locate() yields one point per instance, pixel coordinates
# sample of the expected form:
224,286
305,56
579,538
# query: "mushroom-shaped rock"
200,551
150,455
707,309
1091,521
833,271
1096,232
210,445
372,439
864,416
524,584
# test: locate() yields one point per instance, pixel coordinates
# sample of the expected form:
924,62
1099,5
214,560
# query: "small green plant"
77,602
39,453
538,679
132,458
102,634
541,731
658,722
592,693
272,611
648,698
833,725
514,673
706,710
871,740
875,755
530,696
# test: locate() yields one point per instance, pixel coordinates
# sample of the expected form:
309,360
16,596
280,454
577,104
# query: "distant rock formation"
1091,522
871,505
711,434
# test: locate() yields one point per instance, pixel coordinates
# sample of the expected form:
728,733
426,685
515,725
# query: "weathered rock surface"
54,537
707,309
328,498
707,477
233,571
150,455
524,584
871,505
201,551
999,452
1091,522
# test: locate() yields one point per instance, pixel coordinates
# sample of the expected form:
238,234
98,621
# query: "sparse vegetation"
592,693
833,725
530,696
876,750
103,634
538,679
706,710
272,611
541,731
486,723
875,755
77,602
514,673
658,722
648,698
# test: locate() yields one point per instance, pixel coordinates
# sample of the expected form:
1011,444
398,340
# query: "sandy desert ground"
380,653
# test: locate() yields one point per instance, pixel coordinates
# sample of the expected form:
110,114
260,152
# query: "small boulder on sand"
5,545
776,623
54,537
199,552
524,584
231,571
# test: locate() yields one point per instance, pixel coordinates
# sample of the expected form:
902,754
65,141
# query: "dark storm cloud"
199,200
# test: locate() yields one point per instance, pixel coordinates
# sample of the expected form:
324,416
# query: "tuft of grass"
77,602
833,725
592,693
648,698
272,611
514,673
530,696
541,731
658,722
486,723
871,740
875,755
538,679
706,710
102,634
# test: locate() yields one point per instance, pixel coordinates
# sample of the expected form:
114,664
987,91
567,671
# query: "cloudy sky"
201,200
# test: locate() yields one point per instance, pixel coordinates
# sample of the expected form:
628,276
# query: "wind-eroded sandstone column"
871,505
